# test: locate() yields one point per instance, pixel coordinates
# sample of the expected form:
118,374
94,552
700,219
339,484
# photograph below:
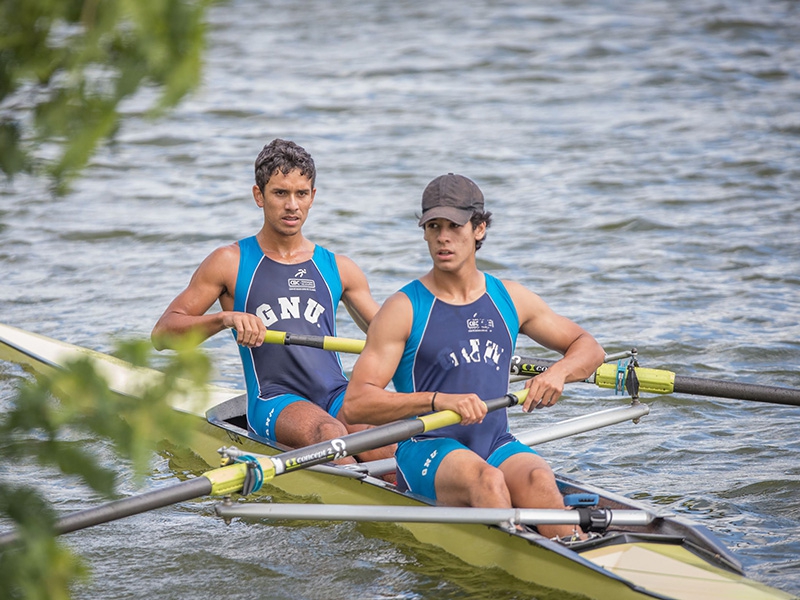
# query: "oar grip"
440,419
347,345
323,342
444,418
275,337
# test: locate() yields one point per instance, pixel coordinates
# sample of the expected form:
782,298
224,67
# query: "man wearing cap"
446,340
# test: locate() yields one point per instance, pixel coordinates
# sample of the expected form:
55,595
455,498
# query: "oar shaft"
126,507
230,479
369,439
181,492
656,381
742,391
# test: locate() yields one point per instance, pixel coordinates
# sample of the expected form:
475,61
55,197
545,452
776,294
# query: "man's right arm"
366,400
214,279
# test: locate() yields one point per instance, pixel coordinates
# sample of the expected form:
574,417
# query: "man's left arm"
582,354
356,295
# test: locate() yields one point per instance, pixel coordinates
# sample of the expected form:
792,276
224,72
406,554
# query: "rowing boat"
659,556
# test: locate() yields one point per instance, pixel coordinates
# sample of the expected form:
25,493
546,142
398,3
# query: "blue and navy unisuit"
459,349
298,298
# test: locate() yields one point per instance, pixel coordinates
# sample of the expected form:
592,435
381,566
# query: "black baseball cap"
452,197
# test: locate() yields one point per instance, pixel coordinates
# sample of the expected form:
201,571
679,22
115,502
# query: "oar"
660,381
231,479
548,433
589,519
656,381
324,342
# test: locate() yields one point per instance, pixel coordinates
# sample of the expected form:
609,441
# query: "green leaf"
58,421
66,65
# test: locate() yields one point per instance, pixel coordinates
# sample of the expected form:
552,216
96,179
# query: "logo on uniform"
291,307
426,465
479,325
298,284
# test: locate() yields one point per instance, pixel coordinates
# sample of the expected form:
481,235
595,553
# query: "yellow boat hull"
635,569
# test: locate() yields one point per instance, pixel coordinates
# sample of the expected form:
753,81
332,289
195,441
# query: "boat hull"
670,559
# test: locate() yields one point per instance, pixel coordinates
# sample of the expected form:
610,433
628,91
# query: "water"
641,160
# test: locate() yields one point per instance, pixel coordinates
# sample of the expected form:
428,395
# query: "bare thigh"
465,479
531,482
304,423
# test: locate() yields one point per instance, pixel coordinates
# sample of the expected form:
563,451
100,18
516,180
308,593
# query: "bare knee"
490,489
328,430
465,479
302,424
542,490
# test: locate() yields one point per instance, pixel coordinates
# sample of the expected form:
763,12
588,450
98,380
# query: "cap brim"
456,215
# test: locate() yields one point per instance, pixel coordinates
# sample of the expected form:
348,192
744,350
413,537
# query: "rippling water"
641,160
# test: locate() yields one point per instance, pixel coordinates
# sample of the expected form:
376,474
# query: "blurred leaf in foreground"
47,417
66,65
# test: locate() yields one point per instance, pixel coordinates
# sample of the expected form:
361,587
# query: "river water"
642,163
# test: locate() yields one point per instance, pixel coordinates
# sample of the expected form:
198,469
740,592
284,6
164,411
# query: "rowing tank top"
298,298
461,349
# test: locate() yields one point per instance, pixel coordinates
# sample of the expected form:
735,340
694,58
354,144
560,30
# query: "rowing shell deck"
669,558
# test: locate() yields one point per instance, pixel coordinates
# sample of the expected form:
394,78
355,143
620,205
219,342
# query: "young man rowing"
281,280
447,340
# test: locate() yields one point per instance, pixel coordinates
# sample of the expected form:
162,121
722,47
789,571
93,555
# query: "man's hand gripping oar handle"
355,443
323,342
657,381
231,479
660,381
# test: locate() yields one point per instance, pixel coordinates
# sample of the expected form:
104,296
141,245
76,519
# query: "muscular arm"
581,352
356,295
213,280
366,400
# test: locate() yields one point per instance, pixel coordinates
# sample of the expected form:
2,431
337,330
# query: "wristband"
433,399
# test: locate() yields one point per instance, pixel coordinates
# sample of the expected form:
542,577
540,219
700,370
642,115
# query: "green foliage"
40,568
51,410
65,66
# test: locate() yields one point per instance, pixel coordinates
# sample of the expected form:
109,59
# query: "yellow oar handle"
656,381
323,342
275,337
440,419
348,345
443,418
